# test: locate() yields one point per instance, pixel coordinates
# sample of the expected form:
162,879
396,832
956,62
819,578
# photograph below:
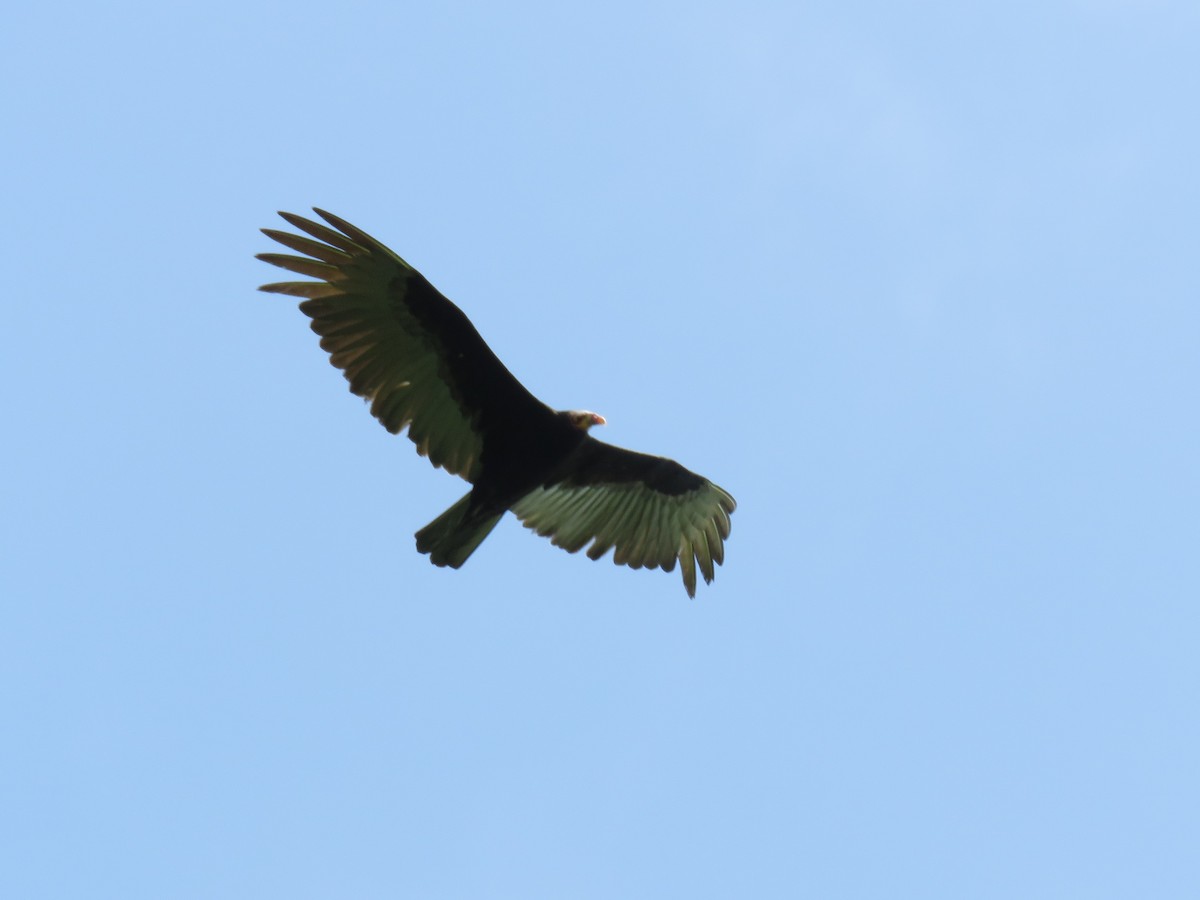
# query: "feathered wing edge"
358,307
644,527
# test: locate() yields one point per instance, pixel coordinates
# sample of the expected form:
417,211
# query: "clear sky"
916,282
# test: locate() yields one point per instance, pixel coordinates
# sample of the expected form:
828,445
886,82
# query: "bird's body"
418,360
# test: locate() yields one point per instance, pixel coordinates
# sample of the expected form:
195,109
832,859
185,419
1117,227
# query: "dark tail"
453,536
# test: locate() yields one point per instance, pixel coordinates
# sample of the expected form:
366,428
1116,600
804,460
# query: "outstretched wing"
650,510
402,345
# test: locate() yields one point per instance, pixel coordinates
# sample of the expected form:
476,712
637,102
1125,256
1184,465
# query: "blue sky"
916,282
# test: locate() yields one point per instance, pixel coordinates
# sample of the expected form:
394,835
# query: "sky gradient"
916,283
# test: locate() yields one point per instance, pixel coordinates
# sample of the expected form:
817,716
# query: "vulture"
421,365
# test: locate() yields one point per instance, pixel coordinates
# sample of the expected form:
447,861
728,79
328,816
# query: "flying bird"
420,363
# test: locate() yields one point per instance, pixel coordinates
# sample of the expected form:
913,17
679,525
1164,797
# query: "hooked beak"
598,419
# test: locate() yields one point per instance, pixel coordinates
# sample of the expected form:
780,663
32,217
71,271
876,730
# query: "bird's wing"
651,510
402,345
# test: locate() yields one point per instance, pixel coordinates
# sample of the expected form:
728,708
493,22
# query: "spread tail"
453,536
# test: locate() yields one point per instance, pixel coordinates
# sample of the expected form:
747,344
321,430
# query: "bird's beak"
598,419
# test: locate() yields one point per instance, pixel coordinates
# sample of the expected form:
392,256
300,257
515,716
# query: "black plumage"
421,364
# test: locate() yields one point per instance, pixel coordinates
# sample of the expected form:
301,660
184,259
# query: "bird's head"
582,419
